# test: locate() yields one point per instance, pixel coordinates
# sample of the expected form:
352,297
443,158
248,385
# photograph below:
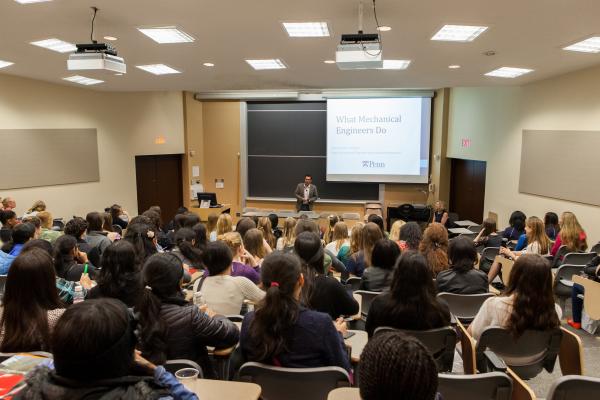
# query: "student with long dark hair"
77,227
462,277
21,234
321,292
284,333
201,240
411,302
378,277
488,236
119,216
119,277
171,328
94,357
185,241
516,226
143,239
552,225
69,262
95,234
31,305
410,236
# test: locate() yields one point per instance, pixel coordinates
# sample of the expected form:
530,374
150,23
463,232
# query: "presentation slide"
378,140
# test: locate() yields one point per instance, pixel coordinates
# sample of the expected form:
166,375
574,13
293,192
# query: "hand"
250,260
204,308
340,325
82,257
85,281
142,362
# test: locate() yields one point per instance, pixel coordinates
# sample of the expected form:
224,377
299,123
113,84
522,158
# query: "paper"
220,183
195,171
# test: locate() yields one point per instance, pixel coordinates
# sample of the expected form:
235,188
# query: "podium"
203,213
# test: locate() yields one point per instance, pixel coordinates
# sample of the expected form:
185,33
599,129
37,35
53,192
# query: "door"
158,180
467,189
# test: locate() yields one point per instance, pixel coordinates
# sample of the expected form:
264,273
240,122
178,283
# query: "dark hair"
308,176
38,244
434,247
115,210
278,311
462,254
140,219
190,220
217,257
489,227
154,217
310,251
394,366
183,240
156,209
254,242
20,235
377,220
385,254
5,215
181,210
178,221
94,340
306,225
119,277
29,293
162,273
244,225
33,220
411,234
533,305
95,221
76,227
140,236
63,254
551,219
517,220
201,239
274,220
107,222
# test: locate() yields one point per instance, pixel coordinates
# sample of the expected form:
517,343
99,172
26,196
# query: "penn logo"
373,164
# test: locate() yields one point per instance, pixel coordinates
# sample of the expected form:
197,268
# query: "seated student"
352,251
264,225
69,262
223,293
357,262
254,244
37,224
321,292
163,241
516,226
434,247
224,224
77,227
9,204
47,232
244,225
332,220
330,261
211,226
185,241
21,234
107,227
339,239
378,277
244,264
592,270
410,303
143,239
201,240
538,244
527,303
396,366
284,333
286,241
277,233
37,207
462,277
95,235
119,276
94,356
9,220
170,327
410,236
395,231
571,234
377,220
488,236
119,216
552,226
30,306
439,214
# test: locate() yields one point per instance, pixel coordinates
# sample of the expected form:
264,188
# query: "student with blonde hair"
37,207
286,242
339,238
244,264
224,224
332,220
371,233
264,225
439,215
254,243
211,226
571,234
395,230
47,232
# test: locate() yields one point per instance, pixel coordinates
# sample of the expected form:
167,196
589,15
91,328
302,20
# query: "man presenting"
306,194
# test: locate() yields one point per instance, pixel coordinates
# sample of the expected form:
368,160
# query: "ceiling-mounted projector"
96,56
359,51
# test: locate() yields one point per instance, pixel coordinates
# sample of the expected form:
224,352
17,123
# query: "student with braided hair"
396,366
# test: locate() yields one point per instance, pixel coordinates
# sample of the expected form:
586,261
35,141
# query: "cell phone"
349,334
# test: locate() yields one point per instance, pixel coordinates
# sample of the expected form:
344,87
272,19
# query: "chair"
344,394
563,285
574,387
366,300
117,229
595,248
487,258
294,383
353,283
489,385
578,258
501,341
235,318
591,299
374,208
440,342
175,365
558,257
464,306
58,224
351,216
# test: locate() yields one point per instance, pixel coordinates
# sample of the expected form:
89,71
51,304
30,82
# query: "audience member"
516,226
332,220
275,226
411,302
377,277
410,236
244,225
339,239
211,226
35,208
244,264
377,220
462,277
9,204
162,239
95,236
37,224
571,234
77,227
357,262
434,247
47,232
439,214
286,241
142,237
488,236
264,225
284,333
551,224
356,241
107,225
592,270
254,243
69,262
21,234
119,216
224,224
9,220
185,242
395,231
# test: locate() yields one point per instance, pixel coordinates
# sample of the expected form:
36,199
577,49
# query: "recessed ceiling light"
306,29
4,64
166,34
266,64
591,45
31,1
111,38
508,72
395,64
459,33
384,28
329,61
454,66
55,45
208,64
158,69
82,80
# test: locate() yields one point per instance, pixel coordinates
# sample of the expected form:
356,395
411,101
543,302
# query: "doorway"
159,183
467,189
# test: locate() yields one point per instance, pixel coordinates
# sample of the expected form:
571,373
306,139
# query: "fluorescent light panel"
306,29
266,64
82,80
4,64
590,45
31,1
459,33
395,64
508,72
57,45
158,69
167,34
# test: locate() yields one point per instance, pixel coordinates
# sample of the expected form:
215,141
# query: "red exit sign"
466,142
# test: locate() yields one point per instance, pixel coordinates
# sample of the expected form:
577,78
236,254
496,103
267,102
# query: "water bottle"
78,295
198,299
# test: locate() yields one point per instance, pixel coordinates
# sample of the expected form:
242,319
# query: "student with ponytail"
171,328
282,332
185,248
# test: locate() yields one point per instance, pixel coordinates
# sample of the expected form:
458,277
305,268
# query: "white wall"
493,118
127,125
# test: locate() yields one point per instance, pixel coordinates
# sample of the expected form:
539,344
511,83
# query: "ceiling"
523,33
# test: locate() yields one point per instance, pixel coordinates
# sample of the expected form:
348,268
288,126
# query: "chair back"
574,387
530,343
578,258
280,383
486,386
175,365
595,248
558,257
351,216
366,300
464,306
563,284
353,283
487,258
440,342
235,318
58,224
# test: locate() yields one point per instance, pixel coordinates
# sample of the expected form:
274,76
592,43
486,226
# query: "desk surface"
208,389
460,231
465,223
357,344
344,394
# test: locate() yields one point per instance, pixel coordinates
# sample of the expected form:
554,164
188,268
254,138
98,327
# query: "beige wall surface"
127,125
494,118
